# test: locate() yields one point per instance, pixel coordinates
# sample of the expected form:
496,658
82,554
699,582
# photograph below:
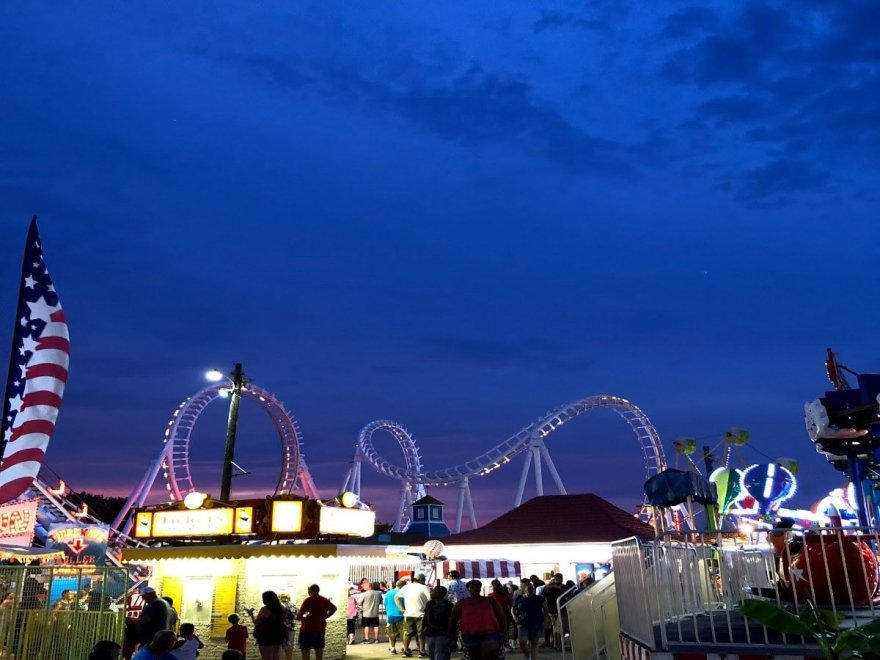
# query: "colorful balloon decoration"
433,549
770,484
728,482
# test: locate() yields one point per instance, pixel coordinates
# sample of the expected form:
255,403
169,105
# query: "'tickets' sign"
17,522
200,522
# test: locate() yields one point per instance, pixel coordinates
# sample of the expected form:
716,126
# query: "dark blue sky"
457,216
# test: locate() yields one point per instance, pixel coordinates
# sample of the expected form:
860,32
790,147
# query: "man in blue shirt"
394,618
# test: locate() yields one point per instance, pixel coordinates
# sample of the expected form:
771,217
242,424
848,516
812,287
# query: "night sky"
454,215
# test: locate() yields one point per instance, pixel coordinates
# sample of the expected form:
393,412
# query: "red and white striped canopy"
482,568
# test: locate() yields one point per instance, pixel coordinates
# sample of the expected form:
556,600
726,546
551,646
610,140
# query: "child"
236,635
187,647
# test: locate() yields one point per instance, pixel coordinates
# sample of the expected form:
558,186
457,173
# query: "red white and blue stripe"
37,374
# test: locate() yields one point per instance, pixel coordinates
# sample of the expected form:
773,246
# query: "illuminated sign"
352,522
201,522
18,519
244,520
78,539
287,516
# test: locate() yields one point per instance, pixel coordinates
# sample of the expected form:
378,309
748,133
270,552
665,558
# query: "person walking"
411,600
269,629
289,611
481,622
435,625
154,616
351,616
499,595
457,589
530,613
370,600
313,615
393,617
236,637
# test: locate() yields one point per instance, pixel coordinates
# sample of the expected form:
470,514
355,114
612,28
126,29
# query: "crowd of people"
155,635
435,622
432,623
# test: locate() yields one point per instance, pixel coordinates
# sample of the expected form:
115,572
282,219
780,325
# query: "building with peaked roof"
569,534
427,518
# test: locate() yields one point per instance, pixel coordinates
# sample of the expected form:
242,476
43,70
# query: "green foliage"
822,625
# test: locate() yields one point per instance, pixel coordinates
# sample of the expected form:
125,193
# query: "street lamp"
237,378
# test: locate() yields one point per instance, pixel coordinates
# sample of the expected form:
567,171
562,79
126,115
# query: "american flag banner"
37,373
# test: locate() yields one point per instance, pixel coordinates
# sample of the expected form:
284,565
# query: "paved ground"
370,651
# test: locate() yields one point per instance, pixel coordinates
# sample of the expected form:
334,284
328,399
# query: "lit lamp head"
194,500
349,500
214,375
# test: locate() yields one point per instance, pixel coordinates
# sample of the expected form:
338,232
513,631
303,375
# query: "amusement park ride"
843,426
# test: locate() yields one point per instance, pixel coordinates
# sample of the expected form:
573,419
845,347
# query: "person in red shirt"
236,635
313,615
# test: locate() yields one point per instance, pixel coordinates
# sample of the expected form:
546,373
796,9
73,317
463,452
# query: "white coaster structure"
173,460
529,441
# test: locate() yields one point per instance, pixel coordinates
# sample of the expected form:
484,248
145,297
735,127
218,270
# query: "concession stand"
217,558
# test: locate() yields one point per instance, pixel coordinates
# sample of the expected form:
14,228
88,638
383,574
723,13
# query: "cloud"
793,86
438,92
551,20
781,176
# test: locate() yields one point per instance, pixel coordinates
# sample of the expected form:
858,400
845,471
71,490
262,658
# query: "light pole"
237,376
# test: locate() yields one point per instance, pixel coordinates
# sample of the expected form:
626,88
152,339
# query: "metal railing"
685,590
34,626
592,621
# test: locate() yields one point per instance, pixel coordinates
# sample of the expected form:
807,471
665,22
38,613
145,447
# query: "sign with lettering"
17,522
198,522
77,539
351,522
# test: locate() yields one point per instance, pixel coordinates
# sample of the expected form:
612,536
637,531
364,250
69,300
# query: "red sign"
17,522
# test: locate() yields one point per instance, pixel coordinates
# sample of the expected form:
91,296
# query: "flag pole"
33,234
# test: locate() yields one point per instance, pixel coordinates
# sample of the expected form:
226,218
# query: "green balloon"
728,483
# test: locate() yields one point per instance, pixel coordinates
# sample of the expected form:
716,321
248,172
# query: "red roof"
585,518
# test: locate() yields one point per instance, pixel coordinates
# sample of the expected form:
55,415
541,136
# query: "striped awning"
482,568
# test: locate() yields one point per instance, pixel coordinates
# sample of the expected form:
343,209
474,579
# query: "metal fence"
685,590
593,625
58,613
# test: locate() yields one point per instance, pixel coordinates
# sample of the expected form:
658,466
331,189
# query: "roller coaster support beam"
470,501
353,477
464,498
551,467
401,506
139,495
539,475
522,480
459,510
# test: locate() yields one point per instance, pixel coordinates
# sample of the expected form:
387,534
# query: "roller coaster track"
173,459
529,440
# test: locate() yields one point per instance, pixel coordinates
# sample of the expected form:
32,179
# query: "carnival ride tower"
844,426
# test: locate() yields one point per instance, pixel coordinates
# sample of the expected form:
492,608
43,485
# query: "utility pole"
231,424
